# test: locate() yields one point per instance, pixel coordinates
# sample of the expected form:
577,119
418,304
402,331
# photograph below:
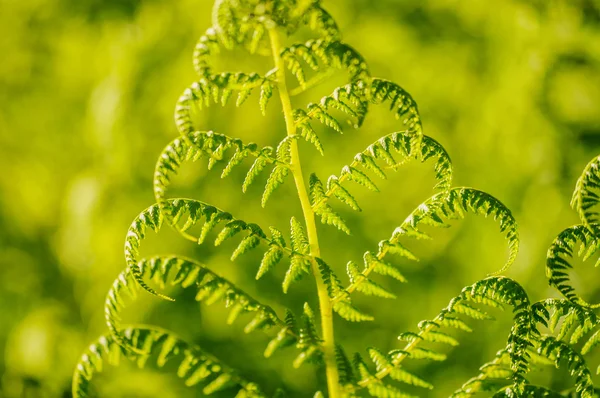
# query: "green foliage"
563,248
194,365
585,196
210,288
258,27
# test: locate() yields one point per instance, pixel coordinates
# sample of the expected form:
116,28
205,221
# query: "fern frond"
353,100
495,377
326,212
349,312
308,340
366,286
211,288
270,259
440,208
299,264
219,89
280,171
401,102
384,364
574,323
183,214
342,304
349,99
323,54
232,28
379,157
216,148
585,197
194,365
374,385
207,45
562,249
283,339
359,281
491,290
245,24
258,26
436,210
289,15
344,365
560,351
320,21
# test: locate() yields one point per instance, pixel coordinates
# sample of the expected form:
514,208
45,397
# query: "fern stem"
325,307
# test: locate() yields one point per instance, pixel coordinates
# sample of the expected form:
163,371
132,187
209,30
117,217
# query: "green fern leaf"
215,147
298,267
178,271
559,253
440,337
257,25
492,377
270,259
452,204
257,167
308,337
576,365
344,365
382,268
495,289
276,178
280,171
237,159
381,390
330,217
299,239
341,193
350,313
308,133
401,103
424,353
397,373
195,366
359,177
366,286
266,92
327,214
410,146
247,244
230,229
585,196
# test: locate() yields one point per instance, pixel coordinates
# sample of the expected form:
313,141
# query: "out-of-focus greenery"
511,88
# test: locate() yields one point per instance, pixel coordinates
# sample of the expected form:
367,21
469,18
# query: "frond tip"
388,153
586,197
453,204
563,249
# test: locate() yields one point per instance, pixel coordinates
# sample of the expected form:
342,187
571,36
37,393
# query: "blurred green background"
87,91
